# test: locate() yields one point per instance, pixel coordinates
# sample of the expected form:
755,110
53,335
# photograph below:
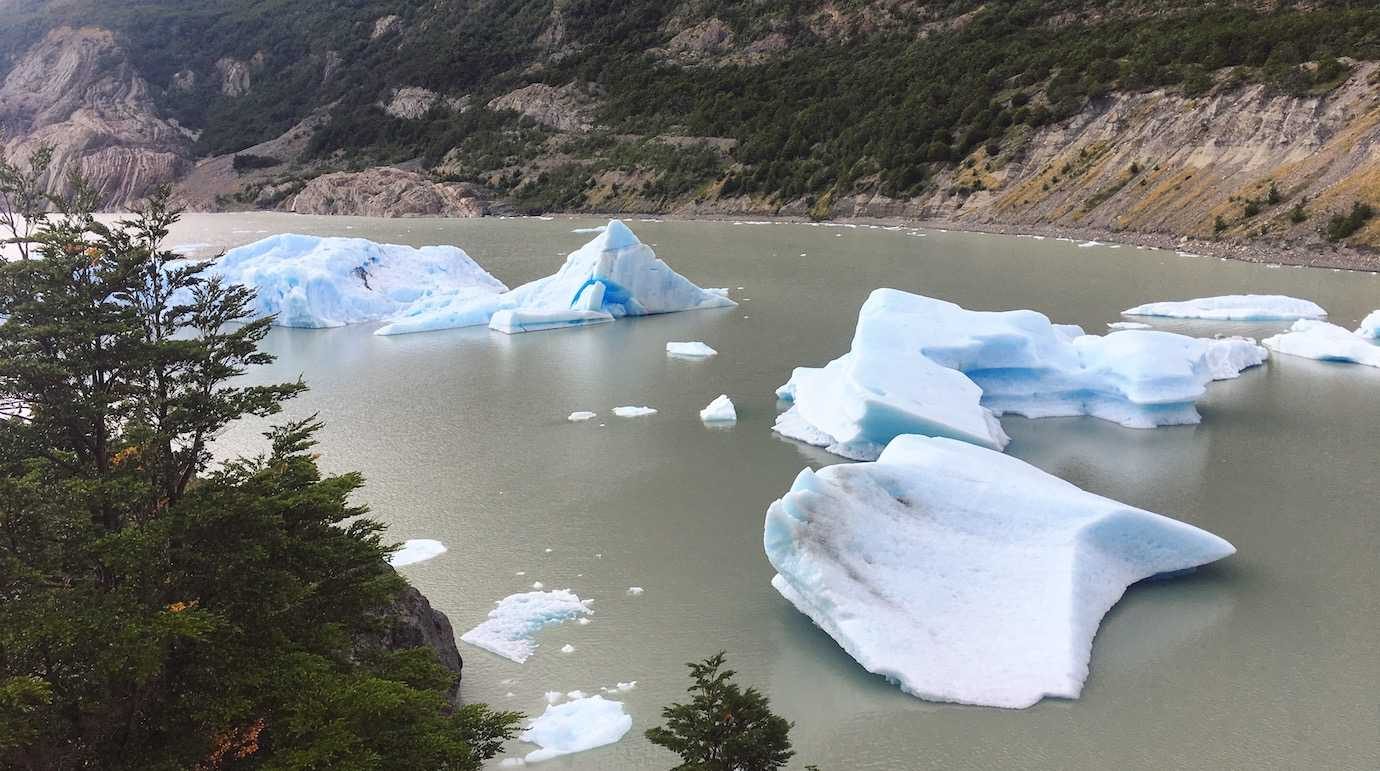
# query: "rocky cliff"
387,192
411,622
77,91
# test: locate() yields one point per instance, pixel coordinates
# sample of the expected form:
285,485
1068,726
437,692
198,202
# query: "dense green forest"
879,97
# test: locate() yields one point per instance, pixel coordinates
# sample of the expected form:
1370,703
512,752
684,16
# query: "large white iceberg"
963,574
924,366
1234,307
576,726
1325,342
315,282
510,627
1370,326
612,276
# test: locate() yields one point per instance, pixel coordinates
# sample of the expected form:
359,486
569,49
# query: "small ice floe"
1088,244
576,726
583,621
1127,325
581,416
416,550
576,694
597,229
537,585
635,590
1325,342
633,412
1235,307
719,411
690,350
621,687
553,697
567,648
510,627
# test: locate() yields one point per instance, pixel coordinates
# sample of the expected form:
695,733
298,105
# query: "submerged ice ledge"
963,574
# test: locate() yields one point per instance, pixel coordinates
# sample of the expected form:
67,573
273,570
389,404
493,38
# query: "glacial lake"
1268,659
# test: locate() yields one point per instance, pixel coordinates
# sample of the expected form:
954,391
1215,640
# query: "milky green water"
1268,659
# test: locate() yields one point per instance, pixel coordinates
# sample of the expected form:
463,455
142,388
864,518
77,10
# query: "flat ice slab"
510,627
580,416
613,276
315,282
692,350
416,550
924,366
576,726
632,411
963,574
720,410
1234,307
1325,342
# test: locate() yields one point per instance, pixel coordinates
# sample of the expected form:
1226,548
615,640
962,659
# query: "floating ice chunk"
925,366
314,282
509,629
694,350
576,726
1370,326
567,648
583,621
1325,342
635,590
720,410
963,574
595,229
621,687
1087,244
553,697
576,694
1228,356
633,412
1127,325
612,276
416,550
1236,307
582,415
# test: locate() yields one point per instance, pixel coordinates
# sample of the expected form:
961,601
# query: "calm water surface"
1269,659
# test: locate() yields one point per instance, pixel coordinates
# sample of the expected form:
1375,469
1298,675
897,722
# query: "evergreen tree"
723,728
159,611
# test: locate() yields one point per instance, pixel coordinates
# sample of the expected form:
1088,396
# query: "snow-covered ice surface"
612,276
1227,357
576,726
1234,307
416,550
632,411
315,282
720,410
1325,342
1370,326
963,574
924,366
690,350
510,627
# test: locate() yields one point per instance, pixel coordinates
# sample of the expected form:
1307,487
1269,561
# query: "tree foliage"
723,727
160,611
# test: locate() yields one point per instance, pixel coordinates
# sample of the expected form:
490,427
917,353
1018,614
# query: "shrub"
243,162
1340,226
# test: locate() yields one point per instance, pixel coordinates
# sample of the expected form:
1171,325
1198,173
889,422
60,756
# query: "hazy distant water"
1269,659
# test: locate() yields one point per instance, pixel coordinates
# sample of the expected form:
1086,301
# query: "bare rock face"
386,25
708,38
410,622
568,108
412,102
387,192
234,76
77,91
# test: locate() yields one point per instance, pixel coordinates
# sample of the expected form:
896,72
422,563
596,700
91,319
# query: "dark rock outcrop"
410,622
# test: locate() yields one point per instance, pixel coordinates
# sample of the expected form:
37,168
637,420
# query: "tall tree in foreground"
157,612
723,728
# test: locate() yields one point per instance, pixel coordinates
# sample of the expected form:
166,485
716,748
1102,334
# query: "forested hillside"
769,106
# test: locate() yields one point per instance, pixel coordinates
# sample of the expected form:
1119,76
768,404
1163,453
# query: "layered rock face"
568,108
77,91
387,192
411,622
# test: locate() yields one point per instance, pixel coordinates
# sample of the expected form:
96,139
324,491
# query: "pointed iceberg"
1370,326
316,282
963,574
613,276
